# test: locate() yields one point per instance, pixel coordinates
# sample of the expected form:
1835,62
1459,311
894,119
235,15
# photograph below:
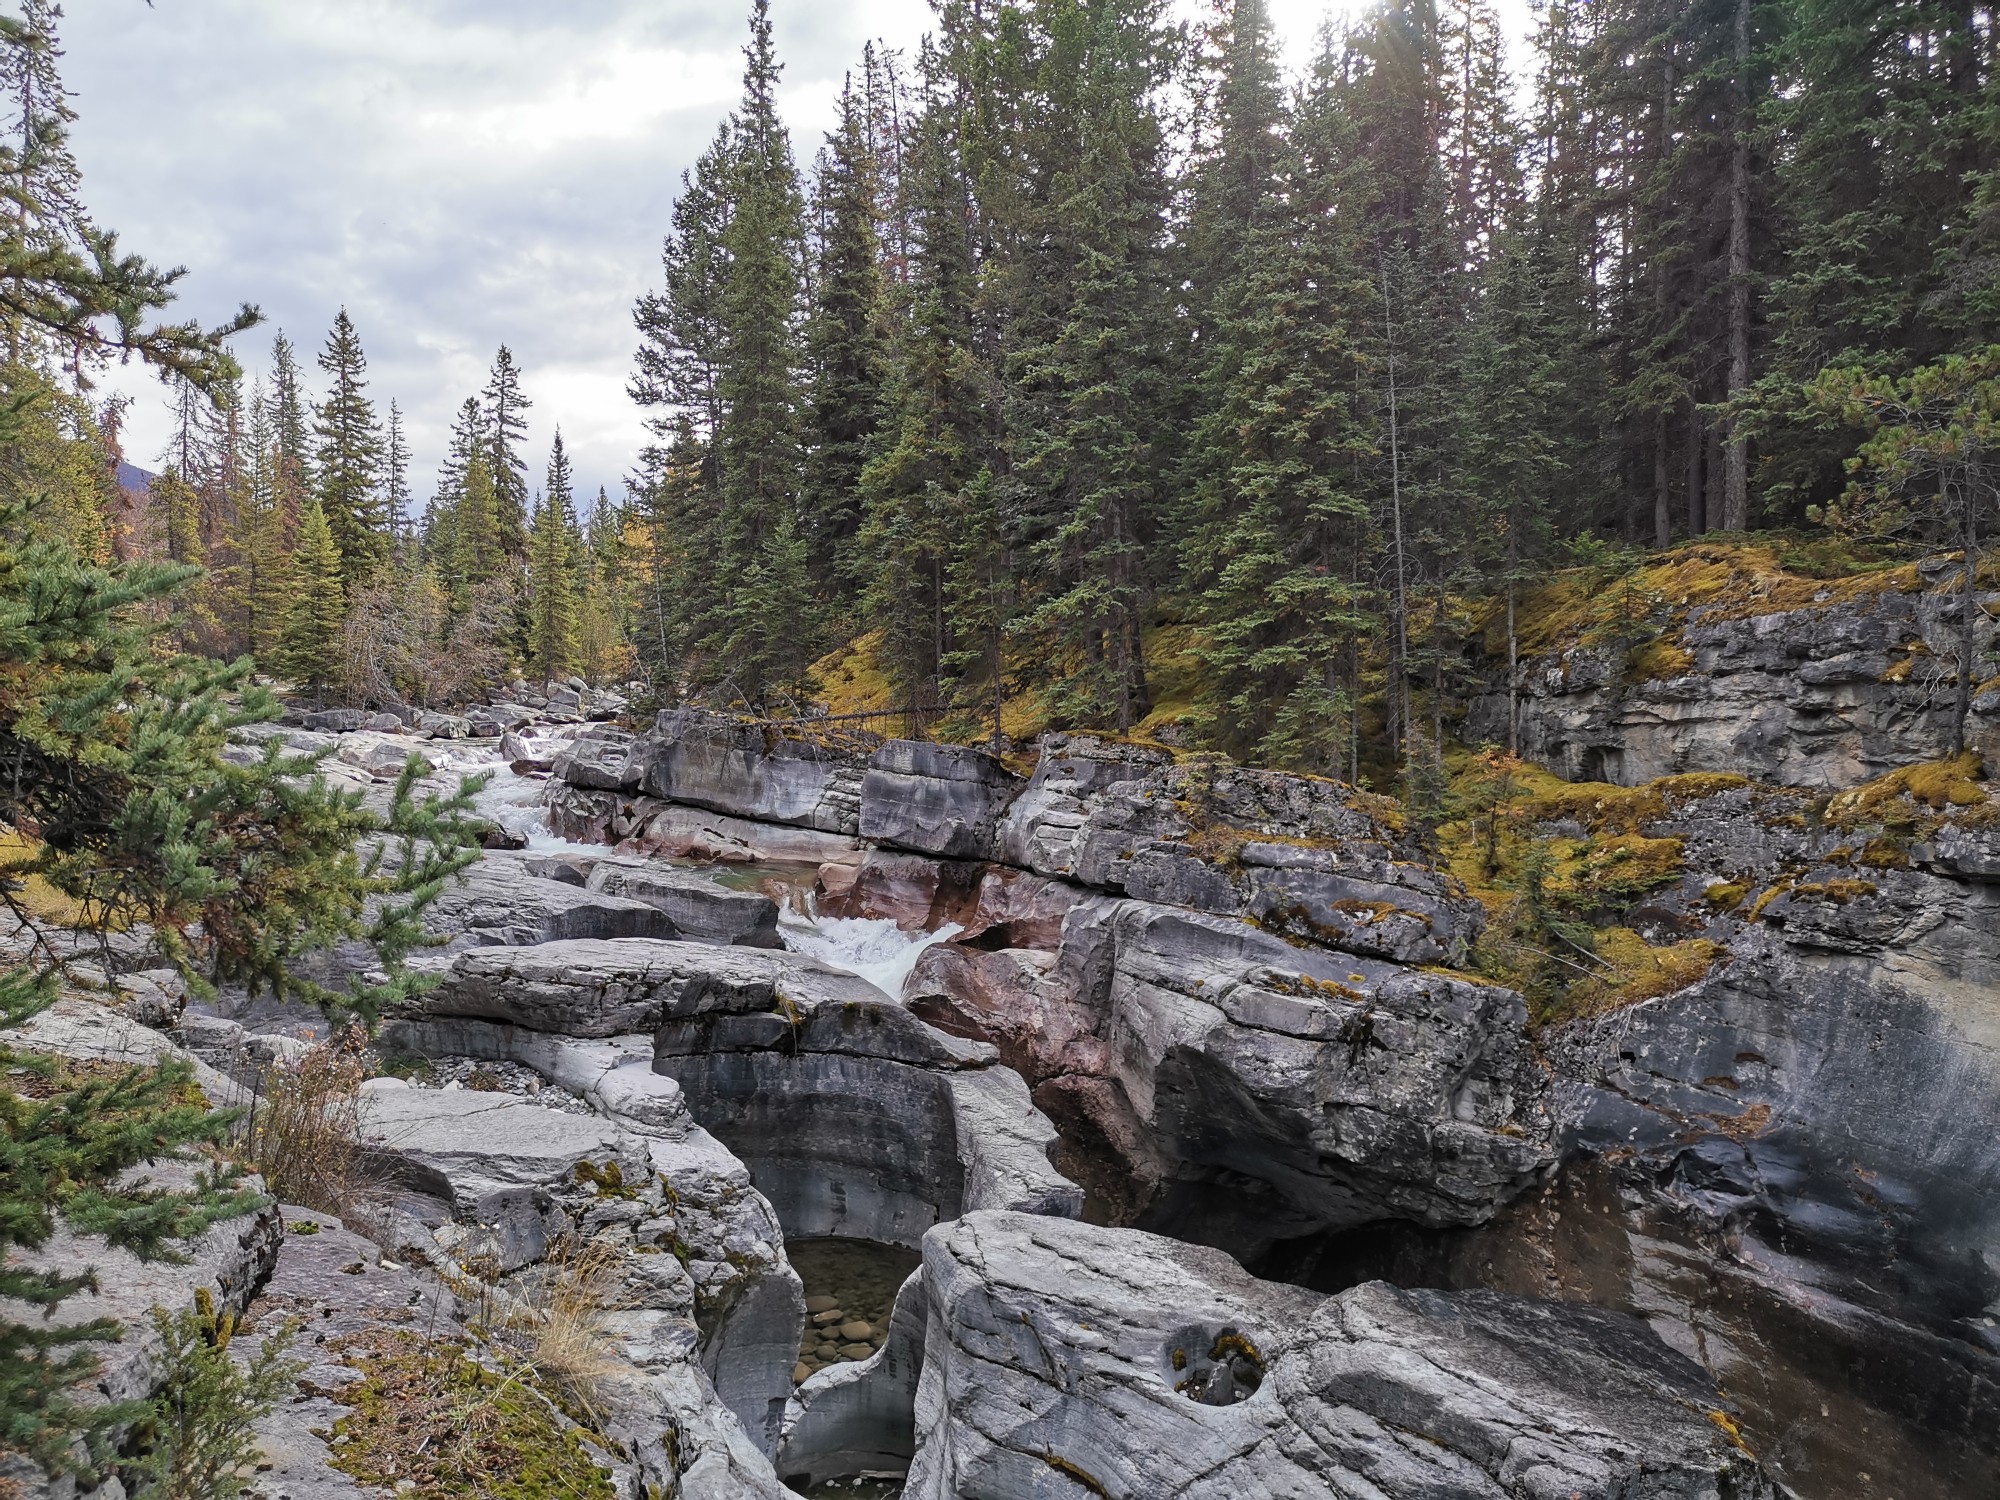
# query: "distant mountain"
132,477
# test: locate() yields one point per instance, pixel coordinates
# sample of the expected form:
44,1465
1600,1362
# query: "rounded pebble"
822,1304
801,1372
855,1351
855,1332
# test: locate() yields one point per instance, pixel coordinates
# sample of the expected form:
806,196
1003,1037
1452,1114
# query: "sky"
457,174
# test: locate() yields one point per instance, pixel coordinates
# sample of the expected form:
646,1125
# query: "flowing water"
873,947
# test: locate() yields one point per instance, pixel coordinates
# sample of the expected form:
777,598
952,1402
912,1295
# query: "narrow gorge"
1122,1122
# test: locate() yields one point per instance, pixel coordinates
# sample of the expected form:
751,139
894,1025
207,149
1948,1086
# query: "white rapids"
873,947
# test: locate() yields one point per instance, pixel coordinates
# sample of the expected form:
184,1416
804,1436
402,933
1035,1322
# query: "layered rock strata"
1828,695
1064,1359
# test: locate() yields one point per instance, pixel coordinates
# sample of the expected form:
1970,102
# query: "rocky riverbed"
895,1113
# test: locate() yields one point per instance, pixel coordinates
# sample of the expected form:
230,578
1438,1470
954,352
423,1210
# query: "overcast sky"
457,173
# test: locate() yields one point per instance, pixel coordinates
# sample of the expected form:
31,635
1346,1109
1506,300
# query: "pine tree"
290,417
349,458
846,348
506,429
912,491
396,476
309,651
554,563
1288,512
758,388
1099,450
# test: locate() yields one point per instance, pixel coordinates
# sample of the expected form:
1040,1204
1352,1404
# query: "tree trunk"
1697,519
1968,615
1736,485
1513,645
1399,684
1663,526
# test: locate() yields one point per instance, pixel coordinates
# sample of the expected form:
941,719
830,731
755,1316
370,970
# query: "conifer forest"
1091,364
1314,731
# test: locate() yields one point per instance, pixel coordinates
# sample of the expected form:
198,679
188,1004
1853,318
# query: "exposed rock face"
727,766
1131,1365
1313,859
500,903
1826,696
935,799
1832,1129
591,988
697,906
1277,1090
228,1262
1306,857
494,1182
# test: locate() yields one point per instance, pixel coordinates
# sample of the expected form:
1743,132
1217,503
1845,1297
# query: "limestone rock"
697,906
935,799
1832,1120
1216,1082
228,1262
1821,696
599,757
730,766
598,988
1131,1365
498,902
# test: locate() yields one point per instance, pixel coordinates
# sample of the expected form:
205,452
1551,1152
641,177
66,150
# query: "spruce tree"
1288,512
349,458
759,541
291,419
309,650
506,429
912,489
554,564
846,348
396,475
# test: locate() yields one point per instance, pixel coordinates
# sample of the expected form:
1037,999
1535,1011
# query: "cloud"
457,173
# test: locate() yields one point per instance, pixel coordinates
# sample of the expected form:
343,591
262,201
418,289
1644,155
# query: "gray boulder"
600,757
1062,1358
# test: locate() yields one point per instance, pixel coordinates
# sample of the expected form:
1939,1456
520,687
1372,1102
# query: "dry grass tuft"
561,1325
303,1131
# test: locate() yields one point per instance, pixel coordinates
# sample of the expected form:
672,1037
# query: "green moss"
430,1416
608,1180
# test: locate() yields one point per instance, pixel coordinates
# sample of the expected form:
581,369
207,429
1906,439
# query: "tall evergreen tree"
396,474
762,628
846,348
554,566
309,651
291,428
349,458
912,490
507,429
1287,512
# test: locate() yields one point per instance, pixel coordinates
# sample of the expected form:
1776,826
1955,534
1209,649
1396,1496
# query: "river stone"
1062,1347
